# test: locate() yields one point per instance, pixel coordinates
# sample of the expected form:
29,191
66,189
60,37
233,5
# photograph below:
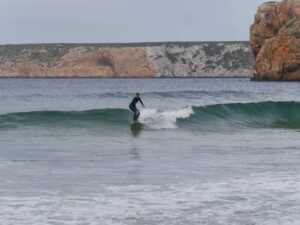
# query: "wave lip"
268,114
151,118
66,118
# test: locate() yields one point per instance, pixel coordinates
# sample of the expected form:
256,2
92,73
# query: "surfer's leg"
137,114
133,109
134,116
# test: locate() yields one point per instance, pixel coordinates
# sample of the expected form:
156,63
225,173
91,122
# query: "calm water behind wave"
210,151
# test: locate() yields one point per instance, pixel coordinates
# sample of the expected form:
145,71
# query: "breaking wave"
235,115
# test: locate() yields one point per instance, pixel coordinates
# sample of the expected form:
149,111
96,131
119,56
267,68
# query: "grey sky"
48,21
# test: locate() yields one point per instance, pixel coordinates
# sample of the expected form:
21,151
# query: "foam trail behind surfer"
133,108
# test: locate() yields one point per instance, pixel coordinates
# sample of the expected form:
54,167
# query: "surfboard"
136,126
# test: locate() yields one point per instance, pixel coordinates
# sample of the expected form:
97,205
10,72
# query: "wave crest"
157,119
251,115
211,117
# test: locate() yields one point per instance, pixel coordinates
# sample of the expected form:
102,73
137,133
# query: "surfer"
133,108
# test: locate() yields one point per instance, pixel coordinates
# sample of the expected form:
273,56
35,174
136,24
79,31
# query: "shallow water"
210,151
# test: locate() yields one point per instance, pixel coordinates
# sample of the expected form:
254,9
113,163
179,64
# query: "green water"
208,151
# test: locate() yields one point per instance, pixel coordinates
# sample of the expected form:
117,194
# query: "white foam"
157,119
260,199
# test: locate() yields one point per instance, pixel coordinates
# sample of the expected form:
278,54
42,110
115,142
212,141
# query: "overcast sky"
50,21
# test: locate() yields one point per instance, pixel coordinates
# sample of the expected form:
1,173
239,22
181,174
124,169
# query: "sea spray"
157,119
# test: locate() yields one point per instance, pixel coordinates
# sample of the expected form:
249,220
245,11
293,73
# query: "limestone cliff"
182,59
275,41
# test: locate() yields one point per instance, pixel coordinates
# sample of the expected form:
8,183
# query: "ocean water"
209,152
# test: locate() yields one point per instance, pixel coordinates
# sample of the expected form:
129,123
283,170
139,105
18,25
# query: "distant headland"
159,59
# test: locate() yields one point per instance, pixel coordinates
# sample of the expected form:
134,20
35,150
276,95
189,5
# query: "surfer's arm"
142,102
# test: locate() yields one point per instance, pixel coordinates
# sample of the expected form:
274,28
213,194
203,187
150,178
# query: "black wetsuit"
132,107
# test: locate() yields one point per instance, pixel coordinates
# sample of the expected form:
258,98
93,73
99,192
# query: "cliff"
275,41
182,59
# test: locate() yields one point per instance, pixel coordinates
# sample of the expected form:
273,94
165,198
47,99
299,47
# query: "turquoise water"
209,151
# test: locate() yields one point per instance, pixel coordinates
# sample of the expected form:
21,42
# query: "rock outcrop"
275,41
183,59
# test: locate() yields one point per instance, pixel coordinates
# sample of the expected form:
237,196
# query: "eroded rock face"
183,59
55,61
274,41
279,58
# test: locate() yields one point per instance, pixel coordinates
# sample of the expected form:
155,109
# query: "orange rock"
274,40
121,62
279,58
269,19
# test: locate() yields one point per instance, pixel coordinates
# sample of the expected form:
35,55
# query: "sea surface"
208,152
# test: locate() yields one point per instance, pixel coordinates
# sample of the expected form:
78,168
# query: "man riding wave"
133,108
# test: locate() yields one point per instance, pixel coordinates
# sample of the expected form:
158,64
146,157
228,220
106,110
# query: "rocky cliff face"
183,59
275,41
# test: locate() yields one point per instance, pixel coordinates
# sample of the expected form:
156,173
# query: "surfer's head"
137,94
